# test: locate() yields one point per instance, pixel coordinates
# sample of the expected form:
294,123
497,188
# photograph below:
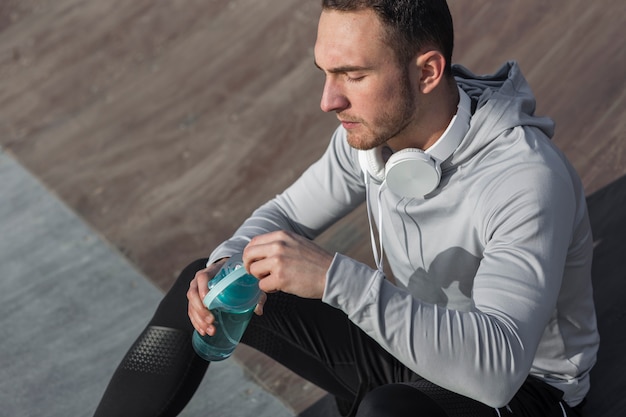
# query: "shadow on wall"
607,210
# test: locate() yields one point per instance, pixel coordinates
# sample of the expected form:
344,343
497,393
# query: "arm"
328,190
485,353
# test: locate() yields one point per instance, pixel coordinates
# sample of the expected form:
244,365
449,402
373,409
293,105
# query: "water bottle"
232,297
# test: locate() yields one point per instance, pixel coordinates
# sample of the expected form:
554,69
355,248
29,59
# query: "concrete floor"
70,307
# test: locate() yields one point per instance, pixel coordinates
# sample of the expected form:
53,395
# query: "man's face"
371,93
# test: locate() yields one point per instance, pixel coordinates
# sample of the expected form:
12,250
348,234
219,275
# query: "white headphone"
412,172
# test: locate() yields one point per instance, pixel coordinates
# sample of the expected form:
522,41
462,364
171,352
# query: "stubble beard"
388,125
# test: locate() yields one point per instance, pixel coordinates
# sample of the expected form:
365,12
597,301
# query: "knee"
179,288
172,310
398,400
382,401
189,272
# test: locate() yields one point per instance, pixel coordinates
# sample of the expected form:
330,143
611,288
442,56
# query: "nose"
333,98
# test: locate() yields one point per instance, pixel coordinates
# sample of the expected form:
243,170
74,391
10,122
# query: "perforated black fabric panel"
156,351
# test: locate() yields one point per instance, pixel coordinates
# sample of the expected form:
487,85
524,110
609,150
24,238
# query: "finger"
271,284
194,294
195,316
252,253
204,323
202,278
201,318
265,246
265,259
200,322
258,310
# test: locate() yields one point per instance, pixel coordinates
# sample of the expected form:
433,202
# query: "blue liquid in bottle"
232,306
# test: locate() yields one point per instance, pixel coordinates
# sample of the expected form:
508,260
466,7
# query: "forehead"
350,38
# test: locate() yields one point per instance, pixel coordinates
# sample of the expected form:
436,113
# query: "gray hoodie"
491,270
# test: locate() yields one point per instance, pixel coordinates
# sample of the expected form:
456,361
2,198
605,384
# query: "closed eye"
354,79
352,72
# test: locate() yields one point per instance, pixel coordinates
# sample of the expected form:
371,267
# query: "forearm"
470,353
327,191
267,218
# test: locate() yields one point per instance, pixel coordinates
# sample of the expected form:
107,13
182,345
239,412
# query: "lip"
348,124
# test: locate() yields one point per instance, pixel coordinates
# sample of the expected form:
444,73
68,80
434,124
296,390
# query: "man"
482,220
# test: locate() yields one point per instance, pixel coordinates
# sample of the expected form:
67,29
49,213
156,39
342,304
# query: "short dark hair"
410,24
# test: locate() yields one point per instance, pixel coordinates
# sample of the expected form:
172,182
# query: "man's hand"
285,261
200,316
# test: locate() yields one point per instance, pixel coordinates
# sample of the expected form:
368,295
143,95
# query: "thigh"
172,310
421,398
434,400
411,400
321,344
310,338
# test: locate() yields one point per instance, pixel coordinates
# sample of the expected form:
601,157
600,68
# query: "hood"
500,102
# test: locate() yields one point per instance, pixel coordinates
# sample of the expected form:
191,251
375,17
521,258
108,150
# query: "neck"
433,114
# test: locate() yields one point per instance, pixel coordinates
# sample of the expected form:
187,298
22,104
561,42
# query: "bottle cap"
235,291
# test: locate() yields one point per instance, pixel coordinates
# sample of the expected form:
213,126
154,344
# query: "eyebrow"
343,69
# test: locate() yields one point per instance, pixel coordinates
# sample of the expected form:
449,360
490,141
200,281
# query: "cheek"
371,102
386,103
389,94
379,96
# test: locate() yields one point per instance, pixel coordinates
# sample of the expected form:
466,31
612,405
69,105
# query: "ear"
432,64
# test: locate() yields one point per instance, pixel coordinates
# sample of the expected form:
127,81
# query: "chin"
361,143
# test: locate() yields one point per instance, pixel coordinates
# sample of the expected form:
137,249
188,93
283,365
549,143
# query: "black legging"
161,372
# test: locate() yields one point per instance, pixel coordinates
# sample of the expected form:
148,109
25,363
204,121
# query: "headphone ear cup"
372,163
412,173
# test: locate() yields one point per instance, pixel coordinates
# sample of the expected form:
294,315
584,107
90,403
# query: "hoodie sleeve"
486,353
327,191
